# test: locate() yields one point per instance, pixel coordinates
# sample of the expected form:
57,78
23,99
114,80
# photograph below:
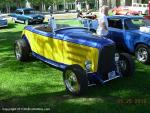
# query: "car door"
19,15
116,31
16,14
46,44
132,32
22,16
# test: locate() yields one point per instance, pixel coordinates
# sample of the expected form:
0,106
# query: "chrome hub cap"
142,54
71,81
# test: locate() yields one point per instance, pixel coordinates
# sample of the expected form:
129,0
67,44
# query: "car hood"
83,36
139,32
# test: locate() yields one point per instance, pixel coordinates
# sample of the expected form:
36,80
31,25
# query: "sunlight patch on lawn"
85,101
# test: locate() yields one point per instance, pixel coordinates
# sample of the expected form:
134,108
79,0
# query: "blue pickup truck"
27,16
130,33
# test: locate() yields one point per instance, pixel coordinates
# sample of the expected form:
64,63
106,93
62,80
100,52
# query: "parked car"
27,16
124,10
83,57
87,15
3,22
130,33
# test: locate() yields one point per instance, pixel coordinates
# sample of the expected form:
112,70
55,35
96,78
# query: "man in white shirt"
102,29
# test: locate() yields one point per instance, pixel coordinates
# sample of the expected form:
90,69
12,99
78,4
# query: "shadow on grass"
96,99
60,102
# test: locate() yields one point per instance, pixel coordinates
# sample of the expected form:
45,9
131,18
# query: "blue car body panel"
76,35
3,22
126,39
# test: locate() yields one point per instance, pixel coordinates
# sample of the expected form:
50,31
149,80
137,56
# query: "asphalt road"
56,16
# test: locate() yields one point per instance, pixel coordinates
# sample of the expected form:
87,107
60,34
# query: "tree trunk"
43,6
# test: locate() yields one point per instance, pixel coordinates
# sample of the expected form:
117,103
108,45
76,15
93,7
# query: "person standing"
102,29
78,7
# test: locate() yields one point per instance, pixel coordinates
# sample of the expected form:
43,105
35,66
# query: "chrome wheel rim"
142,54
71,81
18,52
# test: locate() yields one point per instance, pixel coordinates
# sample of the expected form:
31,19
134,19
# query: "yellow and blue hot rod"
84,57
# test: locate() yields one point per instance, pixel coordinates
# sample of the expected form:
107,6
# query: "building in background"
93,4
114,3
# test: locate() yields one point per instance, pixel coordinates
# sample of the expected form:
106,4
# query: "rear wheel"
142,54
75,79
22,50
127,65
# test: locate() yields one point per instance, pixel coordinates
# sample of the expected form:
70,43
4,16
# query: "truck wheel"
127,65
22,50
75,80
142,54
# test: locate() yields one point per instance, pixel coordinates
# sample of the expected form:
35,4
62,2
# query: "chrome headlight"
88,65
116,57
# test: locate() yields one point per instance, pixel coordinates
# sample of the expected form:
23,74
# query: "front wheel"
142,54
127,65
75,79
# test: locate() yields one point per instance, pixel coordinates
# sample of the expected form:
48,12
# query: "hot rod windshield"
135,24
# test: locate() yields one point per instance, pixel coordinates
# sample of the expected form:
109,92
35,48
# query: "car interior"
44,28
48,28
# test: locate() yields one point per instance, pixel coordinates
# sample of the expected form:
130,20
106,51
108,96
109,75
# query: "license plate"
111,75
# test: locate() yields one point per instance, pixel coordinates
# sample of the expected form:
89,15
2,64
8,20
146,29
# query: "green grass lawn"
36,85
